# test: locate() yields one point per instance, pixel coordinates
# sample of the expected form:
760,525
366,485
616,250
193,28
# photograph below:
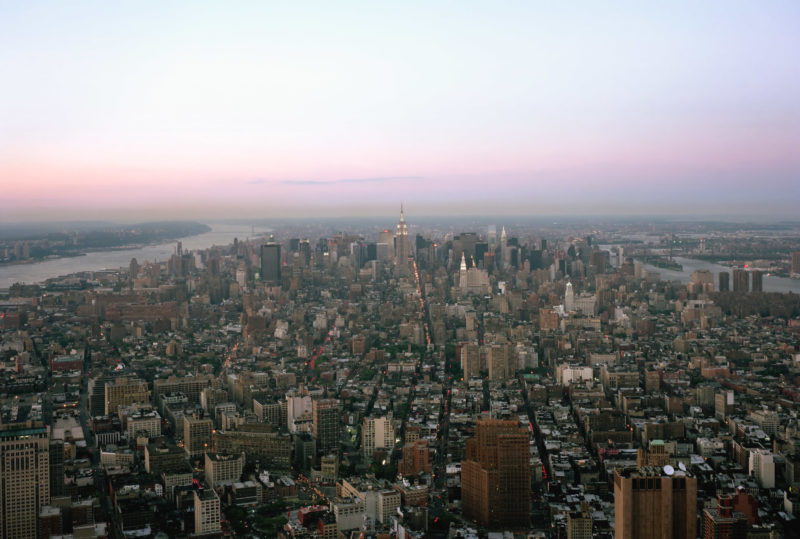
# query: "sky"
137,110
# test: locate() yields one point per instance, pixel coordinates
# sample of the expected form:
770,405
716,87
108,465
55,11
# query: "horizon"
173,112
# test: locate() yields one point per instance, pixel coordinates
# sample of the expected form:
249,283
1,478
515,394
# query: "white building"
762,467
376,433
206,512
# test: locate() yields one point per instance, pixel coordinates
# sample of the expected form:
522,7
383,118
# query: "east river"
38,272
770,282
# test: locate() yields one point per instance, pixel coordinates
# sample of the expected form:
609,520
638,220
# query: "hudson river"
38,272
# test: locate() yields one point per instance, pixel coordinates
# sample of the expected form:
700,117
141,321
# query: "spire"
463,262
503,235
402,217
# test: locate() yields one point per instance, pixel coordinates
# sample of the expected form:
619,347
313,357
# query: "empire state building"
402,246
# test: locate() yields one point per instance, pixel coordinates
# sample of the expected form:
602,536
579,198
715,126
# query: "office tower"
470,360
402,246
481,248
271,263
724,522
569,298
125,391
376,433
758,281
223,467
496,475
724,281
500,361
24,478
294,244
305,253
206,512
386,236
325,418
795,269
654,503
133,269
741,281
197,434
56,468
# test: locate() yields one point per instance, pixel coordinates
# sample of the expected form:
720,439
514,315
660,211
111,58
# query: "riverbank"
39,272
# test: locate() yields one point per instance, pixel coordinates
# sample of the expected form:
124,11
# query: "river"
38,272
770,283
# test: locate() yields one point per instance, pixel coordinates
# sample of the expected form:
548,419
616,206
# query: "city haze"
199,111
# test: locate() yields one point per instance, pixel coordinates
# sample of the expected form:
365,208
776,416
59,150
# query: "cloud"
380,179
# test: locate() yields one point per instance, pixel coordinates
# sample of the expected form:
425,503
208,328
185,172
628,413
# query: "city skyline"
305,111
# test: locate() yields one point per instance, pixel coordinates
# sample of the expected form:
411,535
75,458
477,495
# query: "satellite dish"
682,466
669,470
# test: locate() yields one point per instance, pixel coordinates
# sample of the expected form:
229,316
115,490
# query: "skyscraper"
654,503
376,433
24,478
470,360
402,246
325,418
758,281
569,298
741,281
724,281
795,269
271,263
496,475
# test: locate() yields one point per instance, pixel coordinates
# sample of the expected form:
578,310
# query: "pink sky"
272,111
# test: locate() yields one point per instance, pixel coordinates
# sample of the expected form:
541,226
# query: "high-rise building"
500,361
206,512
271,263
305,253
402,245
197,434
56,468
569,298
654,503
496,475
325,418
757,284
724,281
470,360
24,478
741,281
376,433
795,269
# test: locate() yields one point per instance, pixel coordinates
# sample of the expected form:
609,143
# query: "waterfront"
771,282
38,272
